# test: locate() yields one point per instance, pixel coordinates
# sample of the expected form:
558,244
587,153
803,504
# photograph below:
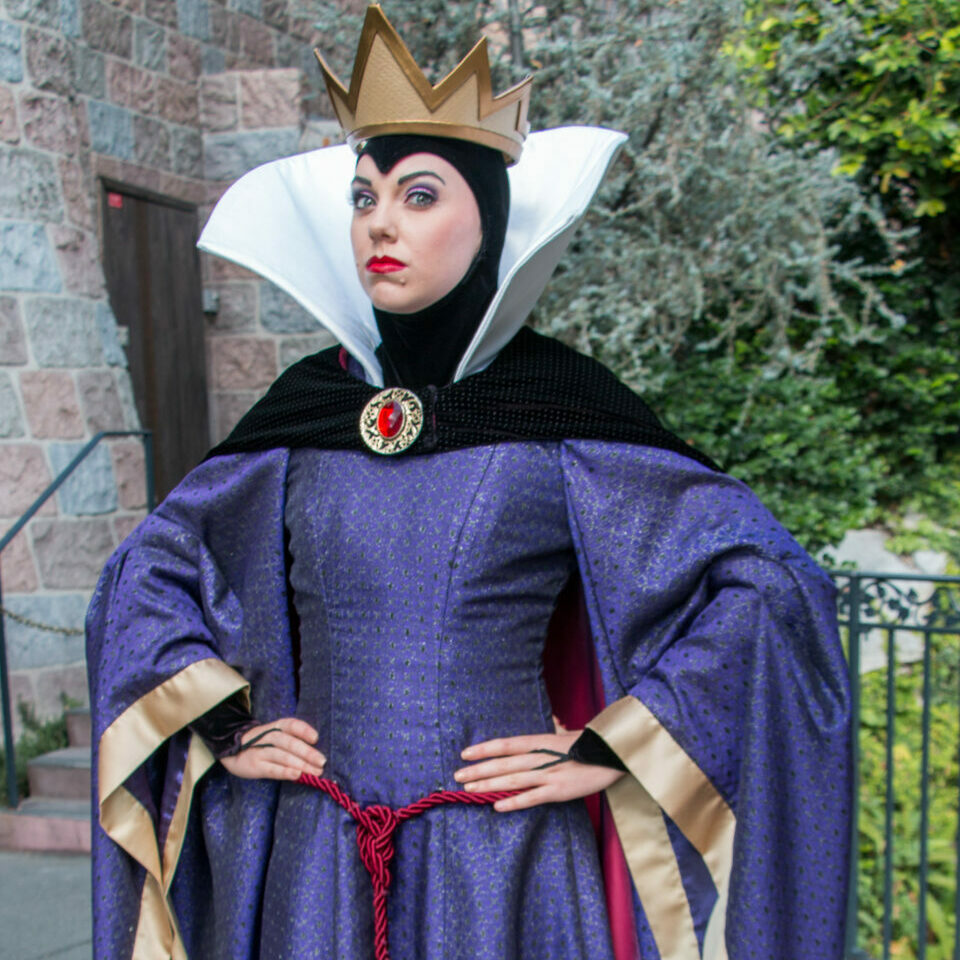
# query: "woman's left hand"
508,764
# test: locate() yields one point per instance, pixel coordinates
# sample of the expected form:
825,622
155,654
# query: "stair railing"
8,744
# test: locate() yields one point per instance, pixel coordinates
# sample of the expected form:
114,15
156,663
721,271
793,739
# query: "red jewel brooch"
391,421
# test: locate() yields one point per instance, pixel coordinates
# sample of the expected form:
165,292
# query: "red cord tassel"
375,828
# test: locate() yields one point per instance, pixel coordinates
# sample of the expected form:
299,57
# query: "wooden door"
153,277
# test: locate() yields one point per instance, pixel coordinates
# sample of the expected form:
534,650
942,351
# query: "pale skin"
423,216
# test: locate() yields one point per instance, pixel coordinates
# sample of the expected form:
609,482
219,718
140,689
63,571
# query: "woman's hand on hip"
282,751
509,764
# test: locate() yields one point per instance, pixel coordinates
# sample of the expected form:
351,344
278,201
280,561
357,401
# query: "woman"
375,574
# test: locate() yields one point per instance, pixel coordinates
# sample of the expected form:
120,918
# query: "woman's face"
415,231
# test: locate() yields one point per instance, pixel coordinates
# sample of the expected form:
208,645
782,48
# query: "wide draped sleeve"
190,609
727,699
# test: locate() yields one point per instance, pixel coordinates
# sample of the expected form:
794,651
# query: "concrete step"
61,774
78,727
45,824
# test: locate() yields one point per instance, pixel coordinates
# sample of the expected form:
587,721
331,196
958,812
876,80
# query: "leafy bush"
38,737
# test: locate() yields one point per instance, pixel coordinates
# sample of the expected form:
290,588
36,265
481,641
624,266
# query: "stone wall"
177,97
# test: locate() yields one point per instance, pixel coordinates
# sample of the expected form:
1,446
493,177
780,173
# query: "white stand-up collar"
289,221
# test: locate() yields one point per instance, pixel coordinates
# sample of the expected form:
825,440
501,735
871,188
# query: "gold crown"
390,94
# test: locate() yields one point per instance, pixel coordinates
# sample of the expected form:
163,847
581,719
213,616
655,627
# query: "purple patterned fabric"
423,587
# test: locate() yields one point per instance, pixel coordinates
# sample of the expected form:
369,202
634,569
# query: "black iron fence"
5,694
903,640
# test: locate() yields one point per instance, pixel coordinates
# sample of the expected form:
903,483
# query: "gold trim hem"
124,746
676,785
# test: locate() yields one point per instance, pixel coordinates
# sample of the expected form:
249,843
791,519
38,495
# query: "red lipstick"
384,265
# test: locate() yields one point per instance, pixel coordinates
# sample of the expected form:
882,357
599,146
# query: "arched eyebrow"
420,173
362,180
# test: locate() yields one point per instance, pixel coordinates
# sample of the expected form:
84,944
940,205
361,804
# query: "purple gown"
421,589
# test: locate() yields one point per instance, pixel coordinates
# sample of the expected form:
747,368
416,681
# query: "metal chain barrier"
36,625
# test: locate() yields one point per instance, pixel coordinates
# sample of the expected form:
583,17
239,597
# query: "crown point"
390,94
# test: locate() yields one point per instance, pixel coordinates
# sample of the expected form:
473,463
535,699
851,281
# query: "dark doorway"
153,276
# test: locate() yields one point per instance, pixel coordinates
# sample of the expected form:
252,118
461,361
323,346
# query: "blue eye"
420,196
362,200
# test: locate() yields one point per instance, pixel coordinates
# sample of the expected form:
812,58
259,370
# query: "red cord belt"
375,828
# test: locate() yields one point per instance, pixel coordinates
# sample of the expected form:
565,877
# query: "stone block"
271,98
90,72
123,526
319,133
53,684
13,345
91,488
50,123
11,61
151,142
100,401
77,195
288,51
216,270
50,62
79,257
128,467
26,259
230,155
187,152
293,349
238,308
184,58
303,28
24,475
17,566
28,186
256,42
230,407
212,60
44,13
131,87
149,45
50,399
193,18
219,26
280,313
30,648
219,103
111,129
70,18
161,11
108,29
9,125
106,323
252,8
275,13
63,332
243,363
11,422
127,402
177,102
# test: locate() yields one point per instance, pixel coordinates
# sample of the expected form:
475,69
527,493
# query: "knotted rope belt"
375,828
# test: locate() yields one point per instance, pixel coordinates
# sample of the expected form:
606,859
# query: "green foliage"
880,81
942,785
38,737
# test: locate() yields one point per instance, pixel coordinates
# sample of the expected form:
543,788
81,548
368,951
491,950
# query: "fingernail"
470,786
458,776
467,753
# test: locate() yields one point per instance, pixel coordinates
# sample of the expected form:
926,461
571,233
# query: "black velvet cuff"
591,748
221,727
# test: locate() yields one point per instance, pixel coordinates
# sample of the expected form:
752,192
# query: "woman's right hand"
283,754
